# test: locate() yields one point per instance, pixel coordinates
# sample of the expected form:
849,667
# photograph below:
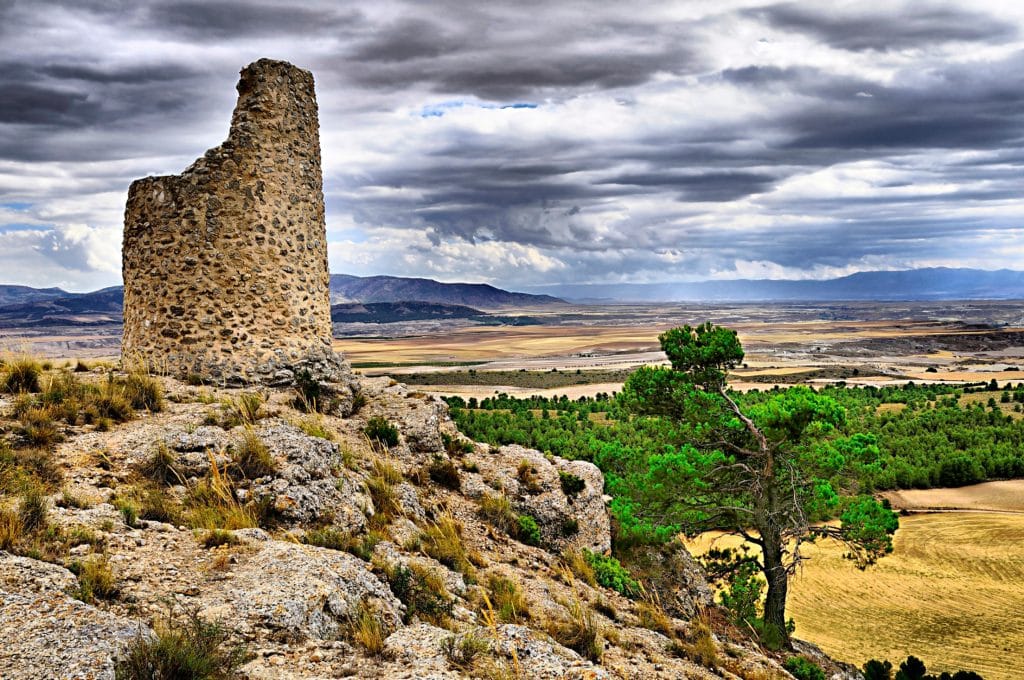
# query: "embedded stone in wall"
225,265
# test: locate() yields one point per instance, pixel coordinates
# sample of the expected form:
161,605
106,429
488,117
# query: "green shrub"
803,668
189,649
422,592
877,670
608,572
528,532
379,430
571,484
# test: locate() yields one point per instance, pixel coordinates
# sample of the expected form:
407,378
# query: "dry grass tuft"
578,631
367,630
508,599
251,457
95,579
442,540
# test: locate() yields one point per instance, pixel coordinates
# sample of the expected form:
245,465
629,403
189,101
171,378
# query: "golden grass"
949,594
1001,496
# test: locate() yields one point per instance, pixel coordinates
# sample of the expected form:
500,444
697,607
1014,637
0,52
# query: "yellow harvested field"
951,593
488,343
1002,496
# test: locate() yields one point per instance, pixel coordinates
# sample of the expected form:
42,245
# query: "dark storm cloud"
235,19
24,103
665,138
707,186
407,39
486,56
886,27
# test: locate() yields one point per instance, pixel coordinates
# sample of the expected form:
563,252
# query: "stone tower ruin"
225,265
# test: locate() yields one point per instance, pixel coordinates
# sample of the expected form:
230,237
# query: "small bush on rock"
611,574
528,531
803,668
382,432
571,484
443,471
422,592
190,649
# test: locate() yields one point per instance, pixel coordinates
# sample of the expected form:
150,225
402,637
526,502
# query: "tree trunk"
778,583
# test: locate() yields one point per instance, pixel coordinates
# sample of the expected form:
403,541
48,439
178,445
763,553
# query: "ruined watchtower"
225,265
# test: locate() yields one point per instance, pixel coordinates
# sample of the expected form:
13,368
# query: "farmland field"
950,593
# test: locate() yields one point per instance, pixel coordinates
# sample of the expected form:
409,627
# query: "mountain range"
938,283
374,298
366,289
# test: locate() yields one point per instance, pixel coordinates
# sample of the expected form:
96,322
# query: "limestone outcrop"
225,265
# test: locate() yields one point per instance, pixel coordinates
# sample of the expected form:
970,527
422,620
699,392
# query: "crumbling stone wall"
225,265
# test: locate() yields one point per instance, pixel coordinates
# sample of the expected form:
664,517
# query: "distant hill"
389,312
70,309
369,289
12,295
937,283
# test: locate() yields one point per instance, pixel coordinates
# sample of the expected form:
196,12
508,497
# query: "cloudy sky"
524,143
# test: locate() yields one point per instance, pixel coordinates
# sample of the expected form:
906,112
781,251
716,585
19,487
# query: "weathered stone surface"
538,492
420,649
672,572
225,265
299,591
311,482
46,633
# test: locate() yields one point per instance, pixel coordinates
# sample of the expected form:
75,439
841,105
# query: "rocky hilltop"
328,546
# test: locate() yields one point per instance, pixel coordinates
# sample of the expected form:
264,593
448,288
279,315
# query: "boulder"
298,591
311,482
533,484
48,634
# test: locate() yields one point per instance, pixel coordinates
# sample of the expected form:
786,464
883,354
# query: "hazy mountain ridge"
69,309
346,288
936,283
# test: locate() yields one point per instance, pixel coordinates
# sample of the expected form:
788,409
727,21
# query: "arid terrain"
786,344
